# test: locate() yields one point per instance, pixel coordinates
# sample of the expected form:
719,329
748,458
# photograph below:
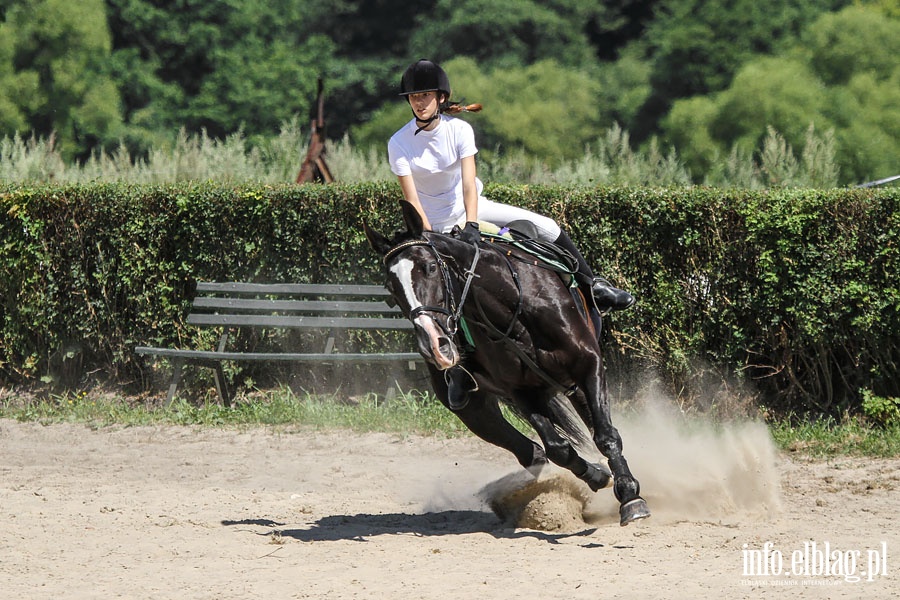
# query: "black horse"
516,330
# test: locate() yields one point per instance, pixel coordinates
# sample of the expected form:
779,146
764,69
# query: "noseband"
453,310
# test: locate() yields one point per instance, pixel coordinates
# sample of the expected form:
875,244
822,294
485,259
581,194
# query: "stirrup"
457,394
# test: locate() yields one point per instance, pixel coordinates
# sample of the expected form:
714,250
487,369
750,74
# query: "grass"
409,413
827,437
611,160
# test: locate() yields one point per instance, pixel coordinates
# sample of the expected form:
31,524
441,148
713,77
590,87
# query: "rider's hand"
470,233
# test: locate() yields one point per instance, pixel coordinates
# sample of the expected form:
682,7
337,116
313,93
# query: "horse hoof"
633,510
597,477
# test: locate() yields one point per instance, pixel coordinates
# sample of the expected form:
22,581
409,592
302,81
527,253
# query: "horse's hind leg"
561,452
627,489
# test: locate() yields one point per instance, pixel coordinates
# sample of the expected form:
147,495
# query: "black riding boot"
606,297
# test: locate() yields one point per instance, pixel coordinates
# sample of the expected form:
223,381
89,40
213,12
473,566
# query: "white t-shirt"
433,158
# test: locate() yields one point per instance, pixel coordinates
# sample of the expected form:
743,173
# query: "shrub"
792,293
883,411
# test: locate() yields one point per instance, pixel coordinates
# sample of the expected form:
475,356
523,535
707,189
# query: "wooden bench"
330,309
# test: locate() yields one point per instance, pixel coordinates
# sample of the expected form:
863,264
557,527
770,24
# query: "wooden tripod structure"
314,168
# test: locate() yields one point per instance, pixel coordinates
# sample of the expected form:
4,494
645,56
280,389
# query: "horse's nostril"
445,345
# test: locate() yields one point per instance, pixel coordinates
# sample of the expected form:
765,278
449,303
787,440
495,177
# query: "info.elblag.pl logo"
813,563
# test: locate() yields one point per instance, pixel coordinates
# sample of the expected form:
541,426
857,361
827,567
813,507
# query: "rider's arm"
470,191
408,187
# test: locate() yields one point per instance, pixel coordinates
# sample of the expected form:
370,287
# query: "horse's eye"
432,268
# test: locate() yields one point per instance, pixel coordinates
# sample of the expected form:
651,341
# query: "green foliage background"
791,293
705,77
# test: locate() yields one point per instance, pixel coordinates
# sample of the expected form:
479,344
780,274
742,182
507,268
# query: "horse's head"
420,284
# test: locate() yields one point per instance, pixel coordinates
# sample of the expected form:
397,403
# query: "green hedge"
794,293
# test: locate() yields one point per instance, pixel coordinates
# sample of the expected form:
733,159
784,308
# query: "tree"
696,46
770,92
53,71
620,23
842,44
688,128
624,88
813,83
224,66
19,89
545,109
856,52
215,65
868,128
505,32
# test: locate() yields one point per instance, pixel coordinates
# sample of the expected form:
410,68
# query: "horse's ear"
412,218
378,242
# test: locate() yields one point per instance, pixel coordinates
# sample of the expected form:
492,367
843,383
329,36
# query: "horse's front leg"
607,439
482,416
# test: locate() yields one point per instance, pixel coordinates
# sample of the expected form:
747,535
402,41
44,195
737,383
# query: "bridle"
452,308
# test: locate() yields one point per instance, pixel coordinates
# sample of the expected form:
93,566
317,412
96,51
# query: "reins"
505,336
470,276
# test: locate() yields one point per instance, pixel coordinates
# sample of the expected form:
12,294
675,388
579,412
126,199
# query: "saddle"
523,235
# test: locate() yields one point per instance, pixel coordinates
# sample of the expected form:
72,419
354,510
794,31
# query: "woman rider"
433,156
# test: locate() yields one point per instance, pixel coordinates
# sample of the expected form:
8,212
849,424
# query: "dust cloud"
692,468
689,468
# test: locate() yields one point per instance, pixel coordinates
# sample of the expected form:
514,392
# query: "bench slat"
293,357
357,306
232,287
297,322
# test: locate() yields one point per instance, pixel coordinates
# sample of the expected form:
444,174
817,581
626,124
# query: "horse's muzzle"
435,345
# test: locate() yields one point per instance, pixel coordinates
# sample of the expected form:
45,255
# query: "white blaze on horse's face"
434,345
402,270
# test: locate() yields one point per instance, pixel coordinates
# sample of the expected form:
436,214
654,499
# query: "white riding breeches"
502,214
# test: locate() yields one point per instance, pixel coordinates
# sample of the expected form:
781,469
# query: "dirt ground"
189,513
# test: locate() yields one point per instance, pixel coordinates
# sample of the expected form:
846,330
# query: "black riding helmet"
424,76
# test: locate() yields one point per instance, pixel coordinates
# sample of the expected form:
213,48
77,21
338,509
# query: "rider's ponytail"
454,108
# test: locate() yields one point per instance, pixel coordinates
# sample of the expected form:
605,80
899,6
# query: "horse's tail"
571,425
